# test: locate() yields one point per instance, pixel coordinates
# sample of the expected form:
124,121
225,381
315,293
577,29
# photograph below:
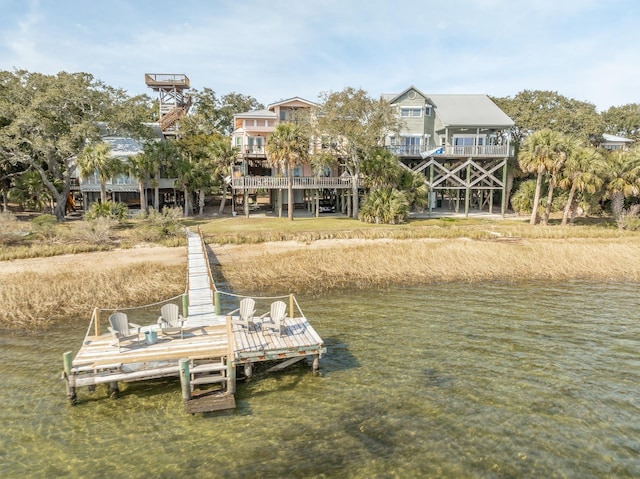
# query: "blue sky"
588,50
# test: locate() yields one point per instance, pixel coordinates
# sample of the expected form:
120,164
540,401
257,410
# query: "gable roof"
470,110
392,98
295,99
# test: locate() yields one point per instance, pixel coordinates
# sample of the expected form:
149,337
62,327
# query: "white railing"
488,151
299,182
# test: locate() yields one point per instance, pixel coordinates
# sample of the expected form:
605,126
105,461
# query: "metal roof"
615,138
256,114
469,110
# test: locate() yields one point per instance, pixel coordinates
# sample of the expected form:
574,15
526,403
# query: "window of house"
427,110
411,112
238,141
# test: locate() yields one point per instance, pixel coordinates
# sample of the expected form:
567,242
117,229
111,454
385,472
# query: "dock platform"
205,353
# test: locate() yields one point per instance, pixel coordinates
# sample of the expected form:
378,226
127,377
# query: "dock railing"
100,315
264,301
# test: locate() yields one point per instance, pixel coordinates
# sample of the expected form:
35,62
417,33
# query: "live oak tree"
352,124
623,120
210,114
534,110
47,120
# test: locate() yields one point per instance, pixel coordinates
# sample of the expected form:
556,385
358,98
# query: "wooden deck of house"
207,352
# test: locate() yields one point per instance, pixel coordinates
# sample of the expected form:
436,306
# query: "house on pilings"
459,143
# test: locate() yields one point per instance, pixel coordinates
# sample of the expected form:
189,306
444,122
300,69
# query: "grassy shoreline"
316,256
382,263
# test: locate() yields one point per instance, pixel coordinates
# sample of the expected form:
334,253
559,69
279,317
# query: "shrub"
11,230
108,209
628,218
45,227
156,226
95,231
522,198
385,206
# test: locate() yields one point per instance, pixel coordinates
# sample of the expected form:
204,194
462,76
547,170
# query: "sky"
587,50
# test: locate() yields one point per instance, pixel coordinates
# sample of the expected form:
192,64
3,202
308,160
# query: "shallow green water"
457,380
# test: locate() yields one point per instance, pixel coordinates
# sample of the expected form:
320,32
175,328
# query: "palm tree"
287,147
162,155
623,173
539,154
223,156
565,146
140,166
582,171
96,157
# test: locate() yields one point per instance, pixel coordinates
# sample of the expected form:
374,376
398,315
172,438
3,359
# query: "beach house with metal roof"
457,141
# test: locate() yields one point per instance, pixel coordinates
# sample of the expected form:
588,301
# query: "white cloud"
278,49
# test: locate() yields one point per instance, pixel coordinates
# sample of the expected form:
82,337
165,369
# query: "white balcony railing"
477,151
299,182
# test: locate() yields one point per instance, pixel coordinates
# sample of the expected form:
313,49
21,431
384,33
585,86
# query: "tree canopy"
352,123
623,121
533,110
47,120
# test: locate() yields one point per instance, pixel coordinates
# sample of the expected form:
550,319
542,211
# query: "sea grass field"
460,349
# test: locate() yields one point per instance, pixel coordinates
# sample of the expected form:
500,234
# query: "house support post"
503,206
246,203
467,191
491,201
431,188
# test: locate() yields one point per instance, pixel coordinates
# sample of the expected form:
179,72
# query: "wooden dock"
205,355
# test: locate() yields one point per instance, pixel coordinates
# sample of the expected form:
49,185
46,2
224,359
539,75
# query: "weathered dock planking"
207,354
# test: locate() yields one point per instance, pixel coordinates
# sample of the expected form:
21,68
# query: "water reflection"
456,380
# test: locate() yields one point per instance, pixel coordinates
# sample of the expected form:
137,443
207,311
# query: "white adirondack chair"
170,320
275,317
122,330
245,313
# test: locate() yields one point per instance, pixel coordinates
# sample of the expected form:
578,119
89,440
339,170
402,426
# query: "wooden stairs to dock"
209,386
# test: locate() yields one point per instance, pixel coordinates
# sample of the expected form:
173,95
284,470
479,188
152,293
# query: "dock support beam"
185,305
185,379
216,303
71,390
113,390
315,367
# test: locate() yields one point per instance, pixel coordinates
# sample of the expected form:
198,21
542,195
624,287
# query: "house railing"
254,150
487,151
299,182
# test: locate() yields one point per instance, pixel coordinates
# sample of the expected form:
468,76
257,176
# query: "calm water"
499,380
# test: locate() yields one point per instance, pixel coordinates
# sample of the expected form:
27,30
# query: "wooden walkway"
211,345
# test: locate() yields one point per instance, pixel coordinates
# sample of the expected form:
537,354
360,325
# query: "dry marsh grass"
34,300
39,292
383,263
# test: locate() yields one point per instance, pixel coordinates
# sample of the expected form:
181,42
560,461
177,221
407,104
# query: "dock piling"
185,379
67,360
